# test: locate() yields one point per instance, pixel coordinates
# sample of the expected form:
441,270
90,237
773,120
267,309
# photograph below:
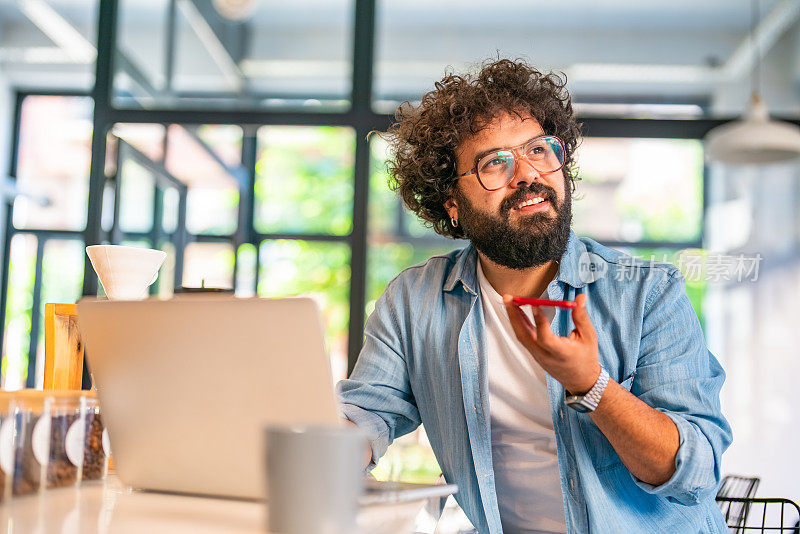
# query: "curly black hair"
424,139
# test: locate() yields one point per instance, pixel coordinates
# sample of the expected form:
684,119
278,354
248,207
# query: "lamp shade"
236,10
753,140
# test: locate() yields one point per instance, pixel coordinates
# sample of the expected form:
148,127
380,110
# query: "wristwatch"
589,401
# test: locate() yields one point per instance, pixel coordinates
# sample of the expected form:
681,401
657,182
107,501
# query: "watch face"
578,406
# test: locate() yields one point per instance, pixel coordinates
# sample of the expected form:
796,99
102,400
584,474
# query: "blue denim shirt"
424,361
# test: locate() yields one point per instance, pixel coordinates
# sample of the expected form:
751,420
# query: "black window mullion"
245,229
363,57
7,235
101,123
33,345
181,238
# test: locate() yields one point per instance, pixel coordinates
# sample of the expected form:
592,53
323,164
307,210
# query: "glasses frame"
517,158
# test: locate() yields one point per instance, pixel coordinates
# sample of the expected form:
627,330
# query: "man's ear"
452,208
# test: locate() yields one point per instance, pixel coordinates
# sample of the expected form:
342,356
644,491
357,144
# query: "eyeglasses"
496,170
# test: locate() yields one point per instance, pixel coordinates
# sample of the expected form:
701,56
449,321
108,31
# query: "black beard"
536,240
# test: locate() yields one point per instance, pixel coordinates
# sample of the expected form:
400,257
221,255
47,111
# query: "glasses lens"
495,169
546,154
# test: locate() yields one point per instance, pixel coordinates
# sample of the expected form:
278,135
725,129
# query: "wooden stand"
63,348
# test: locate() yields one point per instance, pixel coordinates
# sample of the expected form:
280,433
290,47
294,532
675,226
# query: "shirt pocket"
628,382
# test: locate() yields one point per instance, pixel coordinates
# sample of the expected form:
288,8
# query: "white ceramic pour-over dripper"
125,272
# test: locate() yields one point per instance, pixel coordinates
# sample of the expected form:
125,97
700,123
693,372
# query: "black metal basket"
750,514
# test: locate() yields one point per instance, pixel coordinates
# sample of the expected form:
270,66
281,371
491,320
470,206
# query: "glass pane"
165,283
385,260
246,259
62,271
19,303
235,55
137,189
169,220
146,138
195,157
304,180
208,265
144,243
53,167
314,269
639,189
385,207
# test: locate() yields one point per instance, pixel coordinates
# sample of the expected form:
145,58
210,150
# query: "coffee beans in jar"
57,440
74,421
95,459
29,438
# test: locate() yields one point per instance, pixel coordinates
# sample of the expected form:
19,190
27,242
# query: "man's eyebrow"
489,151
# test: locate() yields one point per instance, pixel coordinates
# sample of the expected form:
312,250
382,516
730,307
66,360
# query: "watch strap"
589,401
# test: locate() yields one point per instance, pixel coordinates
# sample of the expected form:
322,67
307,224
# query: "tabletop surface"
109,507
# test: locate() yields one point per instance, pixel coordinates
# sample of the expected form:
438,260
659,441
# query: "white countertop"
109,507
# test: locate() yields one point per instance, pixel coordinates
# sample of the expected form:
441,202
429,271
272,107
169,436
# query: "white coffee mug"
314,478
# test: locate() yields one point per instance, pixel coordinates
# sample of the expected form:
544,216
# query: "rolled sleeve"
372,425
677,375
377,397
694,466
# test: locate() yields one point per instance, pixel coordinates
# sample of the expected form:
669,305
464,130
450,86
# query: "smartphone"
522,301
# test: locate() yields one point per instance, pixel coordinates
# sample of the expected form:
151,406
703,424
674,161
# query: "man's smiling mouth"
530,202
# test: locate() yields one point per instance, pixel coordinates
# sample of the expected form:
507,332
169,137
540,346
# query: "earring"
454,222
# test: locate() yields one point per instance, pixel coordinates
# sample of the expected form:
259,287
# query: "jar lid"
34,399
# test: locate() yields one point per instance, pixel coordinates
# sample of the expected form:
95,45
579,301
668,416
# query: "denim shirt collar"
569,269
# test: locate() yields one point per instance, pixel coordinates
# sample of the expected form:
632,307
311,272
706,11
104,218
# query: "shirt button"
561,413
572,483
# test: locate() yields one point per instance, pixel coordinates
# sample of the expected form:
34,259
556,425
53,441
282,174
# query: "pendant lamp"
755,139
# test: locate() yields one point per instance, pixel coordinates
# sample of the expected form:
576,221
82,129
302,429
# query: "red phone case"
522,301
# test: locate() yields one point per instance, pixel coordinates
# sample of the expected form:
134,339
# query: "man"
603,418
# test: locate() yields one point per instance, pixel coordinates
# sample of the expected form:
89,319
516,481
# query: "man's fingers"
546,337
523,328
580,316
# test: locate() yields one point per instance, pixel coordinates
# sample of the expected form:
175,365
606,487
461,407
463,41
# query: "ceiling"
676,51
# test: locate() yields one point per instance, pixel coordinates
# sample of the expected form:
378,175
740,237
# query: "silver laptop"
187,386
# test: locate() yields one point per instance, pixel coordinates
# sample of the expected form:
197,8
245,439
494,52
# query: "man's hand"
572,360
368,452
645,439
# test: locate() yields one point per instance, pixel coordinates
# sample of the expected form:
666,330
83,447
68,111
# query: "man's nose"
524,172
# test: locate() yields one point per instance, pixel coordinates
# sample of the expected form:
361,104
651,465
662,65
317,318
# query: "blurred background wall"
233,136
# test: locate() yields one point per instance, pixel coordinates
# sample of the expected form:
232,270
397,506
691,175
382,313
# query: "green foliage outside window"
19,304
304,180
318,269
639,189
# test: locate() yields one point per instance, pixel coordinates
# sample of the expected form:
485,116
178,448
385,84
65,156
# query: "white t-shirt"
523,442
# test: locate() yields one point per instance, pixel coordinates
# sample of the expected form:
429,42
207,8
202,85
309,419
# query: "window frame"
360,116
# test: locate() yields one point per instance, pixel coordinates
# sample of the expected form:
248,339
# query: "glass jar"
57,439
29,440
86,446
66,437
